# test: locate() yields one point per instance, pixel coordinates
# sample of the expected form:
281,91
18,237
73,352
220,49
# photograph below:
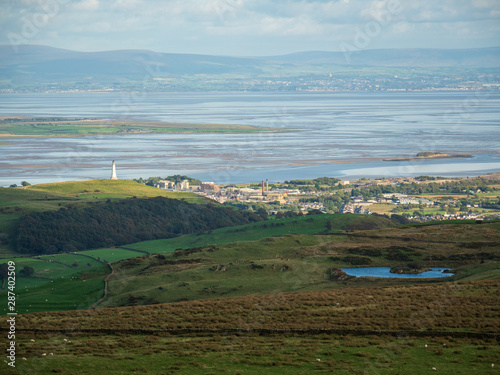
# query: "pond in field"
386,272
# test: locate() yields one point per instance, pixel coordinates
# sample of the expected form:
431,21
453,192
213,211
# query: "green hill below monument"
106,224
18,202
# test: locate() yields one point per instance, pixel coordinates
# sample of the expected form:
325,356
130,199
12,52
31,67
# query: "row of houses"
351,208
447,216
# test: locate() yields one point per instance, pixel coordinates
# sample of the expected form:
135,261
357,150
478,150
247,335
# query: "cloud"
86,5
254,26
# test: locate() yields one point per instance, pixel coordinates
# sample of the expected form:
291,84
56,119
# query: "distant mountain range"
41,64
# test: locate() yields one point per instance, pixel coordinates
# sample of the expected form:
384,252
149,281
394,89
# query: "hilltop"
21,201
104,189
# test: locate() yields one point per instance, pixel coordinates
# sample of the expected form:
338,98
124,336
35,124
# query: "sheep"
44,354
434,369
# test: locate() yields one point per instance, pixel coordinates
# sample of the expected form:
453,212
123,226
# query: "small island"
430,155
413,270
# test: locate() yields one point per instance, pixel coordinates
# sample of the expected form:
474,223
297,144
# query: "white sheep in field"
32,340
434,369
51,354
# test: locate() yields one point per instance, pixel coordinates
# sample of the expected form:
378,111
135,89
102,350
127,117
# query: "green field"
111,255
75,284
298,225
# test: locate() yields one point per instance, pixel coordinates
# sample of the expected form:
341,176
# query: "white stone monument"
113,173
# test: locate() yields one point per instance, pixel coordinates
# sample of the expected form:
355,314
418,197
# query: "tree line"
108,224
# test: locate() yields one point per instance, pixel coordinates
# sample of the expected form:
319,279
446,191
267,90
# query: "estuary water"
343,135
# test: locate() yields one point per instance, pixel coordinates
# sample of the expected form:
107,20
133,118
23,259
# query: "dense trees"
151,181
124,222
319,181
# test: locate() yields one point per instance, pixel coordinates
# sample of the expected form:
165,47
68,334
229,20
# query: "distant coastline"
430,155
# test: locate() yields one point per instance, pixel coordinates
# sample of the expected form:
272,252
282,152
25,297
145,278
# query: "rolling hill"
51,65
18,202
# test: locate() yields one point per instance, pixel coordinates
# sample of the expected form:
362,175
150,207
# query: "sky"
250,27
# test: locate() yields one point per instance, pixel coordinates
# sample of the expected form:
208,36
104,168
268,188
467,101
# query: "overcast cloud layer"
250,27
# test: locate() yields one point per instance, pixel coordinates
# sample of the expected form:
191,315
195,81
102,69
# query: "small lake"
386,272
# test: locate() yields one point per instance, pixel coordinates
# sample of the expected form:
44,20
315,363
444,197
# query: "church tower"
113,173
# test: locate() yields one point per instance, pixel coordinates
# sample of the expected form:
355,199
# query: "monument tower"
113,173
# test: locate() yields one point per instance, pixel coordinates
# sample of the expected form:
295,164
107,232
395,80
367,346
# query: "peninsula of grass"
64,127
430,155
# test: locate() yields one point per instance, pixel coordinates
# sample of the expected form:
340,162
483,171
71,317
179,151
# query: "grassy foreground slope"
452,328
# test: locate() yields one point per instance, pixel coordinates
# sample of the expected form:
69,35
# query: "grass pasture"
80,260
60,282
253,355
111,255
312,224
69,292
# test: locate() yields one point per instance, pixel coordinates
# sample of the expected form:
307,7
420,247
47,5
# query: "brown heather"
454,306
